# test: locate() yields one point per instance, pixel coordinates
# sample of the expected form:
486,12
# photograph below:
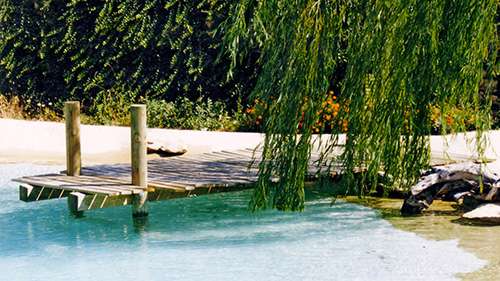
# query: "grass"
182,113
13,108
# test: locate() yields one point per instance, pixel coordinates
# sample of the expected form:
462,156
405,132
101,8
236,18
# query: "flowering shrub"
328,120
452,119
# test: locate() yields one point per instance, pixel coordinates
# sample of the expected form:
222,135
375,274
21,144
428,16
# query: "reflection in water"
141,225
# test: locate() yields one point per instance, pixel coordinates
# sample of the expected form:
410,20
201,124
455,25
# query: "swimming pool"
213,237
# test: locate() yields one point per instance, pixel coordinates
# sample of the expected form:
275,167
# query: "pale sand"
45,143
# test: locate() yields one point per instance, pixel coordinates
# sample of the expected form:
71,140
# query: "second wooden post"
73,149
139,159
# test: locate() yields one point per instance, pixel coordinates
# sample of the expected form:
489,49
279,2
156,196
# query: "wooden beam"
139,158
29,193
79,202
73,147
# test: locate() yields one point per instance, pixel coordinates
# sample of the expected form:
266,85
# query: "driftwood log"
460,183
166,148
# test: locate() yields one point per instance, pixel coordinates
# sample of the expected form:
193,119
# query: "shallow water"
213,237
443,222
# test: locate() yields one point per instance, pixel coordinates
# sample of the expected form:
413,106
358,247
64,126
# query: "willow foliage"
401,57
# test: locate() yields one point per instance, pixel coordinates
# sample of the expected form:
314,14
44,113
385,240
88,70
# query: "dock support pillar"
140,205
75,200
139,158
73,147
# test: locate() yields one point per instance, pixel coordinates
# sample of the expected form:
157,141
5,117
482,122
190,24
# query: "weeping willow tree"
402,56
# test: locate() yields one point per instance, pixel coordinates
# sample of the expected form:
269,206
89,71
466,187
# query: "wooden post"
139,159
73,149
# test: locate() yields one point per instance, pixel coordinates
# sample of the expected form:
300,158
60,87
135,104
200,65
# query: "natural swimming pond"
213,237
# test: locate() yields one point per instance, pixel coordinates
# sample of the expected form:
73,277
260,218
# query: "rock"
487,213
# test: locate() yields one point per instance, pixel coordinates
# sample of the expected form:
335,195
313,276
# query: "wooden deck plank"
65,186
119,186
89,181
73,184
154,182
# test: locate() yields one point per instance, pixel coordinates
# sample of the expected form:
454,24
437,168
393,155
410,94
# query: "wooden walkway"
168,178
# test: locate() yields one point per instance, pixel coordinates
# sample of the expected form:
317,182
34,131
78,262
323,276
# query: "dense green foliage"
108,54
402,58
195,115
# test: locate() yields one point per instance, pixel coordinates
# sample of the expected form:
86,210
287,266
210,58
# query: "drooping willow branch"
300,45
402,56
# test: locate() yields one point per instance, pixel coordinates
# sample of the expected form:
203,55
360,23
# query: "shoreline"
442,222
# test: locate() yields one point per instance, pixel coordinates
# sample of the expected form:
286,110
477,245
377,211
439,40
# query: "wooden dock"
105,186
142,181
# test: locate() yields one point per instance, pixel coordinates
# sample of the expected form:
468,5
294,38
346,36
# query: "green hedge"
108,54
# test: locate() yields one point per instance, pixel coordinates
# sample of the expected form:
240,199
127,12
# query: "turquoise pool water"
212,237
